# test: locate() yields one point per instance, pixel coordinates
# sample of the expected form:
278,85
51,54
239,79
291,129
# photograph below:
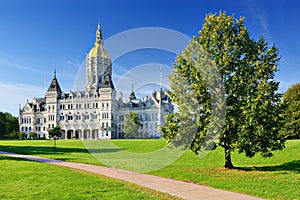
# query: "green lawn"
272,178
22,179
67,150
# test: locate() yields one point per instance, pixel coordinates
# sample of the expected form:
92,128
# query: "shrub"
32,135
22,135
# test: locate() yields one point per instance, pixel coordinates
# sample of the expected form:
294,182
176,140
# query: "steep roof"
54,86
107,83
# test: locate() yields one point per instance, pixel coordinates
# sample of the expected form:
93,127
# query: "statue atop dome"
99,36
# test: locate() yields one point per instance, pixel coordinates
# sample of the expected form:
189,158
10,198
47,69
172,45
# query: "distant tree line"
8,124
292,118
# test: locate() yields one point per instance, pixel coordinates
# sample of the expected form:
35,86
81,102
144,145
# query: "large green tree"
292,119
131,125
224,62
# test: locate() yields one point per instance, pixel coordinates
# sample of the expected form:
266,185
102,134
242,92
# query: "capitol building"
95,112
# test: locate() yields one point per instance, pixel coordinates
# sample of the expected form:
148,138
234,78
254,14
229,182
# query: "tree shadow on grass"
42,160
293,166
39,150
5,158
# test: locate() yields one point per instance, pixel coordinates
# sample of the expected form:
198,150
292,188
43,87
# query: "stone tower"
52,102
98,64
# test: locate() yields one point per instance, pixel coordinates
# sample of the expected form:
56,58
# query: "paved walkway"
173,187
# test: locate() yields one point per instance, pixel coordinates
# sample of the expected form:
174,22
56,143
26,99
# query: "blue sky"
37,37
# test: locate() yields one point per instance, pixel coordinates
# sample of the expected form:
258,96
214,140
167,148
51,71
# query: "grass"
23,179
141,145
66,150
272,178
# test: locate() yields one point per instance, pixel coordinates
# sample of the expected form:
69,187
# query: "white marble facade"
96,112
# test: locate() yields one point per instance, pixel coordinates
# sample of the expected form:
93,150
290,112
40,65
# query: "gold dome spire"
99,35
98,50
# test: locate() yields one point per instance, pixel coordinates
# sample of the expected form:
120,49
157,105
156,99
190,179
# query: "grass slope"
273,178
21,179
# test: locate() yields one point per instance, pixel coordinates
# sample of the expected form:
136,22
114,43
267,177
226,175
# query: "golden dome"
99,51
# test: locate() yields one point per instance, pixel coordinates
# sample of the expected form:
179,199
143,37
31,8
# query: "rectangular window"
140,116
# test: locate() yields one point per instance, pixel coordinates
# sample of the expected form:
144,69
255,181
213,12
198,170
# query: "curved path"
173,187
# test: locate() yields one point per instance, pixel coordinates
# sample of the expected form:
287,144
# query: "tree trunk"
228,163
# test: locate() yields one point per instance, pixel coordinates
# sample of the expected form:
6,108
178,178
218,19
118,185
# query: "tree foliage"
292,98
56,131
169,132
32,135
8,124
247,68
131,125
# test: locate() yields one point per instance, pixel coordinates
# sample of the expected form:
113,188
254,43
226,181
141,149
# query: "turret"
52,102
54,88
